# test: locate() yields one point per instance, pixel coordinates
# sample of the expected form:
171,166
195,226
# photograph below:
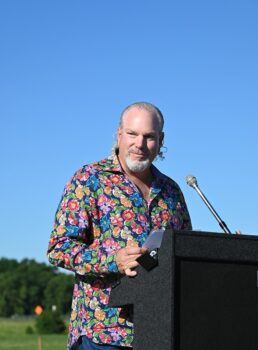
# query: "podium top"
216,246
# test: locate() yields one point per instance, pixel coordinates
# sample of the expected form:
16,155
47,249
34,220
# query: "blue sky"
68,68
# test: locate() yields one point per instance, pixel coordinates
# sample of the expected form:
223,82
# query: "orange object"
38,310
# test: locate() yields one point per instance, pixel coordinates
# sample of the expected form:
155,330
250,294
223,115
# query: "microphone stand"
191,181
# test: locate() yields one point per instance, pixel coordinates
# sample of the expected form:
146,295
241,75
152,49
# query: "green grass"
13,336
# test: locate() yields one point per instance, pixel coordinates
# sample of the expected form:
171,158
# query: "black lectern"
202,295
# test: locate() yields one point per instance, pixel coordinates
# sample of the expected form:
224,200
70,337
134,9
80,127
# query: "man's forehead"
136,113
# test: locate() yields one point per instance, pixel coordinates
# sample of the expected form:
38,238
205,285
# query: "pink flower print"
72,220
102,200
98,327
83,214
89,333
103,299
83,176
136,228
88,292
115,179
106,339
64,204
165,215
117,220
73,205
78,259
157,220
76,291
110,244
92,201
142,218
128,215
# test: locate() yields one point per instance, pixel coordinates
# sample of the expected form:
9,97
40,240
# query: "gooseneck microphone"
191,181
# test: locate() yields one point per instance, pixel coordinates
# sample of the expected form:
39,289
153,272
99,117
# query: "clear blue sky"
68,68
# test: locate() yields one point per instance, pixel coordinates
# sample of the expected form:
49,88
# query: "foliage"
58,292
28,283
29,330
50,322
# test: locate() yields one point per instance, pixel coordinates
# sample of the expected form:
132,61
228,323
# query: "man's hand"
126,259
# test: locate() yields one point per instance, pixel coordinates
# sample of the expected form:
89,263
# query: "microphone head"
191,181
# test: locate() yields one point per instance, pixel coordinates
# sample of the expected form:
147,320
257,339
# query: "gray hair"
147,107
150,108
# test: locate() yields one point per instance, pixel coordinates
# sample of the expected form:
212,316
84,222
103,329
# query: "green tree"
8,265
59,292
50,322
23,285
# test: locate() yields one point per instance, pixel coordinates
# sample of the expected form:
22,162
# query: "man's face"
138,140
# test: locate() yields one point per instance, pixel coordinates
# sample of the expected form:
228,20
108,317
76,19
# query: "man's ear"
118,134
161,139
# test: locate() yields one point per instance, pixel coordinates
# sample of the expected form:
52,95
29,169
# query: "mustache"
137,151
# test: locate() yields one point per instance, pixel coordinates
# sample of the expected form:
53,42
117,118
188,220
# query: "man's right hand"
126,259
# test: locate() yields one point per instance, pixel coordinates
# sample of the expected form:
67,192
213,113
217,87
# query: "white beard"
137,166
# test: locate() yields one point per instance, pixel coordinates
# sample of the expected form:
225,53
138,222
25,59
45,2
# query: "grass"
13,336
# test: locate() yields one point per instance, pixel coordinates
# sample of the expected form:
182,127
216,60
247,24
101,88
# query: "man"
105,215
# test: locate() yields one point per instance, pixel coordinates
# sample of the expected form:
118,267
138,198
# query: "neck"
144,177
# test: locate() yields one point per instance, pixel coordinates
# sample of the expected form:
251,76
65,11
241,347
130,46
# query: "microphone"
191,181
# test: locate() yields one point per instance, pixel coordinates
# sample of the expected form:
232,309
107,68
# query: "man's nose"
139,141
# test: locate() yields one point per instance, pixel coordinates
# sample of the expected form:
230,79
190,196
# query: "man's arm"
69,245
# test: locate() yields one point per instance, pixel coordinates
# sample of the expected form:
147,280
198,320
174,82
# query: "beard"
137,166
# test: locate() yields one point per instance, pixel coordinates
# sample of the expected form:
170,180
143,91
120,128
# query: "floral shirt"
100,212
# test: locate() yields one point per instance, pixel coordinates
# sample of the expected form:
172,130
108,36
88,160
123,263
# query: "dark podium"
203,295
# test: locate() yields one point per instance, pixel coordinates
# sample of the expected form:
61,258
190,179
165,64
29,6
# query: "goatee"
137,166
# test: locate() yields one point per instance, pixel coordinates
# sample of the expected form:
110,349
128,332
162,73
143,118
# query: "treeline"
26,284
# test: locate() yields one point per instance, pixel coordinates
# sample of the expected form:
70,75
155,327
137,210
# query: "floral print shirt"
101,210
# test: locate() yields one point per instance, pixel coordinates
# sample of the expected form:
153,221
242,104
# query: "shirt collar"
111,164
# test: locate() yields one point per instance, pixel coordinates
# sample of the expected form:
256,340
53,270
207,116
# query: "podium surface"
202,295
